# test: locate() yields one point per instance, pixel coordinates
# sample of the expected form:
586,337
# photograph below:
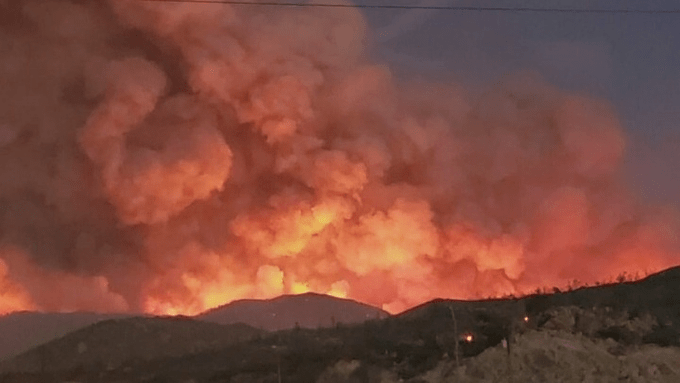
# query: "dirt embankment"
563,344
560,356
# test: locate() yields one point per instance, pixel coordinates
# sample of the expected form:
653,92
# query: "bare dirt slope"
560,356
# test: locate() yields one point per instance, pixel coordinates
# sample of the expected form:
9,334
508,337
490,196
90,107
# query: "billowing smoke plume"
169,158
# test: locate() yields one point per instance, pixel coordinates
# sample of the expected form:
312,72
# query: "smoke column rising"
169,158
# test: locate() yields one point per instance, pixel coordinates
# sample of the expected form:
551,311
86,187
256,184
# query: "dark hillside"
308,310
21,331
656,294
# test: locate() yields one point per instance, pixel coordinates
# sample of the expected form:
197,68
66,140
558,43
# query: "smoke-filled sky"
628,59
169,158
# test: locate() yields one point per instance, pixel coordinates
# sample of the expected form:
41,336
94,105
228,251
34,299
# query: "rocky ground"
564,344
538,356
570,345
560,356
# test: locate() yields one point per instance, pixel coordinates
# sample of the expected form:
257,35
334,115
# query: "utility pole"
455,331
509,339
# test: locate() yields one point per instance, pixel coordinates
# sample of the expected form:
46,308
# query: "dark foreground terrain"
22,331
620,332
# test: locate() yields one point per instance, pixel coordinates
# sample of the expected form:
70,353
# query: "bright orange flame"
339,289
468,338
300,288
12,297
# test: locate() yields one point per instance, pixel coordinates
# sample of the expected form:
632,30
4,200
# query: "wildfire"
12,297
183,156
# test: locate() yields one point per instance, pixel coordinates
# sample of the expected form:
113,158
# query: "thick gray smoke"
168,158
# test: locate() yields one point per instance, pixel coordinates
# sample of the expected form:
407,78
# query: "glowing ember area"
12,297
170,158
468,338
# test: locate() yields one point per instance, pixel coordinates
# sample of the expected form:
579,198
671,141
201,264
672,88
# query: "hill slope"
618,332
110,343
308,310
21,331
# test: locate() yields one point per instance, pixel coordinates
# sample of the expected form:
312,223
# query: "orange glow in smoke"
468,338
12,296
252,154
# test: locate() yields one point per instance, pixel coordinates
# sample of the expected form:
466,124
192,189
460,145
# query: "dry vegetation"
622,332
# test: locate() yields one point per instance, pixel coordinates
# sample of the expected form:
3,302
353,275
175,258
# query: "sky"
171,157
629,59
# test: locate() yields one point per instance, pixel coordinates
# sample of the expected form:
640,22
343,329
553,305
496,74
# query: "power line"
434,7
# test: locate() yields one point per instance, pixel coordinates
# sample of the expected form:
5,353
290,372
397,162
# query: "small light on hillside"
526,318
468,338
